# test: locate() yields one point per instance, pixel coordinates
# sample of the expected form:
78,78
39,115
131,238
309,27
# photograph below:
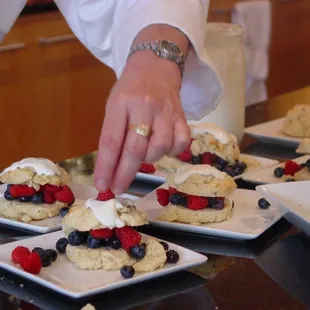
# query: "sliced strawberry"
21,190
103,233
163,196
104,196
172,190
48,197
197,202
291,167
31,263
128,237
65,195
52,188
207,159
147,168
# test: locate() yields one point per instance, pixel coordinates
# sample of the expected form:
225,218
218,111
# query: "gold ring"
141,129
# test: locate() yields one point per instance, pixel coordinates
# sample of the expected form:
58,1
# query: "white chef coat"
107,28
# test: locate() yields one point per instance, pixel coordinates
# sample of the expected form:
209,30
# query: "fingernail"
117,191
101,185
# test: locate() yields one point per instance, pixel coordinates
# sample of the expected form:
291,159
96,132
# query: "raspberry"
172,190
197,202
186,155
147,168
19,253
162,196
291,167
103,233
207,159
21,190
49,197
128,237
104,196
32,263
52,188
65,195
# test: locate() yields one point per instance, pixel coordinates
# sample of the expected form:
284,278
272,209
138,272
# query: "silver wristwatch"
164,49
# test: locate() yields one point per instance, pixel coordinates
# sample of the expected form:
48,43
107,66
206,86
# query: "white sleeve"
108,27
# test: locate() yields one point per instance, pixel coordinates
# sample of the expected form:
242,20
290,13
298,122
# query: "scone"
297,122
210,145
102,235
304,146
36,190
197,195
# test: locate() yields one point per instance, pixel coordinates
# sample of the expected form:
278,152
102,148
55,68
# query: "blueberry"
289,180
127,272
175,199
222,162
172,256
196,160
308,163
46,259
93,243
219,167
263,203
230,171
25,198
220,204
165,245
137,252
37,199
38,250
240,167
76,238
8,196
212,201
63,211
52,253
278,172
61,245
114,243
9,186
184,202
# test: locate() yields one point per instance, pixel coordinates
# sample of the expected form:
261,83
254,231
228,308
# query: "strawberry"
104,196
186,155
52,188
48,197
103,233
291,167
65,195
197,202
162,196
172,190
32,263
206,159
128,237
147,168
19,253
21,190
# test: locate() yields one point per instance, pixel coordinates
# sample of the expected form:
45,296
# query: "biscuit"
170,164
304,146
302,175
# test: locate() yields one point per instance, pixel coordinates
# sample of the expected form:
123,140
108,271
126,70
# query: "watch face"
170,47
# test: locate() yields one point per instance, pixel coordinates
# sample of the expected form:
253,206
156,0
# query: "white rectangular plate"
293,198
81,192
159,177
247,222
63,277
266,176
271,132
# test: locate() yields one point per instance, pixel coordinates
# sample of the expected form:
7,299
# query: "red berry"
186,155
32,263
52,188
19,253
197,202
21,190
48,197
65,195
207,159
162,196
104,196
147,168
291,167
103,233
172,190
128,237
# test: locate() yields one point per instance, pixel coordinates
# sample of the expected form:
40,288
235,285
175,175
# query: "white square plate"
293,198
247,222
266,176
81,192
159,177
63,277
271,132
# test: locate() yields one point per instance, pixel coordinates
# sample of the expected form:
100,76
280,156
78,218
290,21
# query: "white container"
224,44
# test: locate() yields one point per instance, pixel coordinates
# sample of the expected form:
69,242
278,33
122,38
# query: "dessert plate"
293,198
271,132
63,277
159,177
81,192
247,222
266,176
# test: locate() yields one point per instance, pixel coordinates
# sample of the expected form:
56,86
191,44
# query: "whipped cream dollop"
42,166
185,172
106,211
217,132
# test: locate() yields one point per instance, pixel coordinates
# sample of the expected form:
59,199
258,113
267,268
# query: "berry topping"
65,195
8,196
46,259
206,159
61,245
196,160
220,203
37,198
291,167
162,196
21,190
278,172
63,211
93,243
127,272
172,190
197,202
104,196
52,253
103,233
222,162
137,252
19,253
24,198
31,263
184,202
175,199
114,243
76,238
49,197
147,168
240,167
128,237
51,188
263,203
172,256
186,155
165,245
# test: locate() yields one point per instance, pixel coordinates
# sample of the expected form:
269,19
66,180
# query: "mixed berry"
171,195
290,168
263,203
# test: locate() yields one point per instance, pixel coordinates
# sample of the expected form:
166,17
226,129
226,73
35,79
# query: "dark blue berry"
25,198
230,171
46,259
38,250
222,162
114,243
76,238
137,252
93,243
63,211
9,186
172,256
61,245
184,202
165,245
263,203
127,272
175,199
220,204
278,172
308,163
219,167
289,180
8,196
196,160
240,167
37,199
212,201
52,253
